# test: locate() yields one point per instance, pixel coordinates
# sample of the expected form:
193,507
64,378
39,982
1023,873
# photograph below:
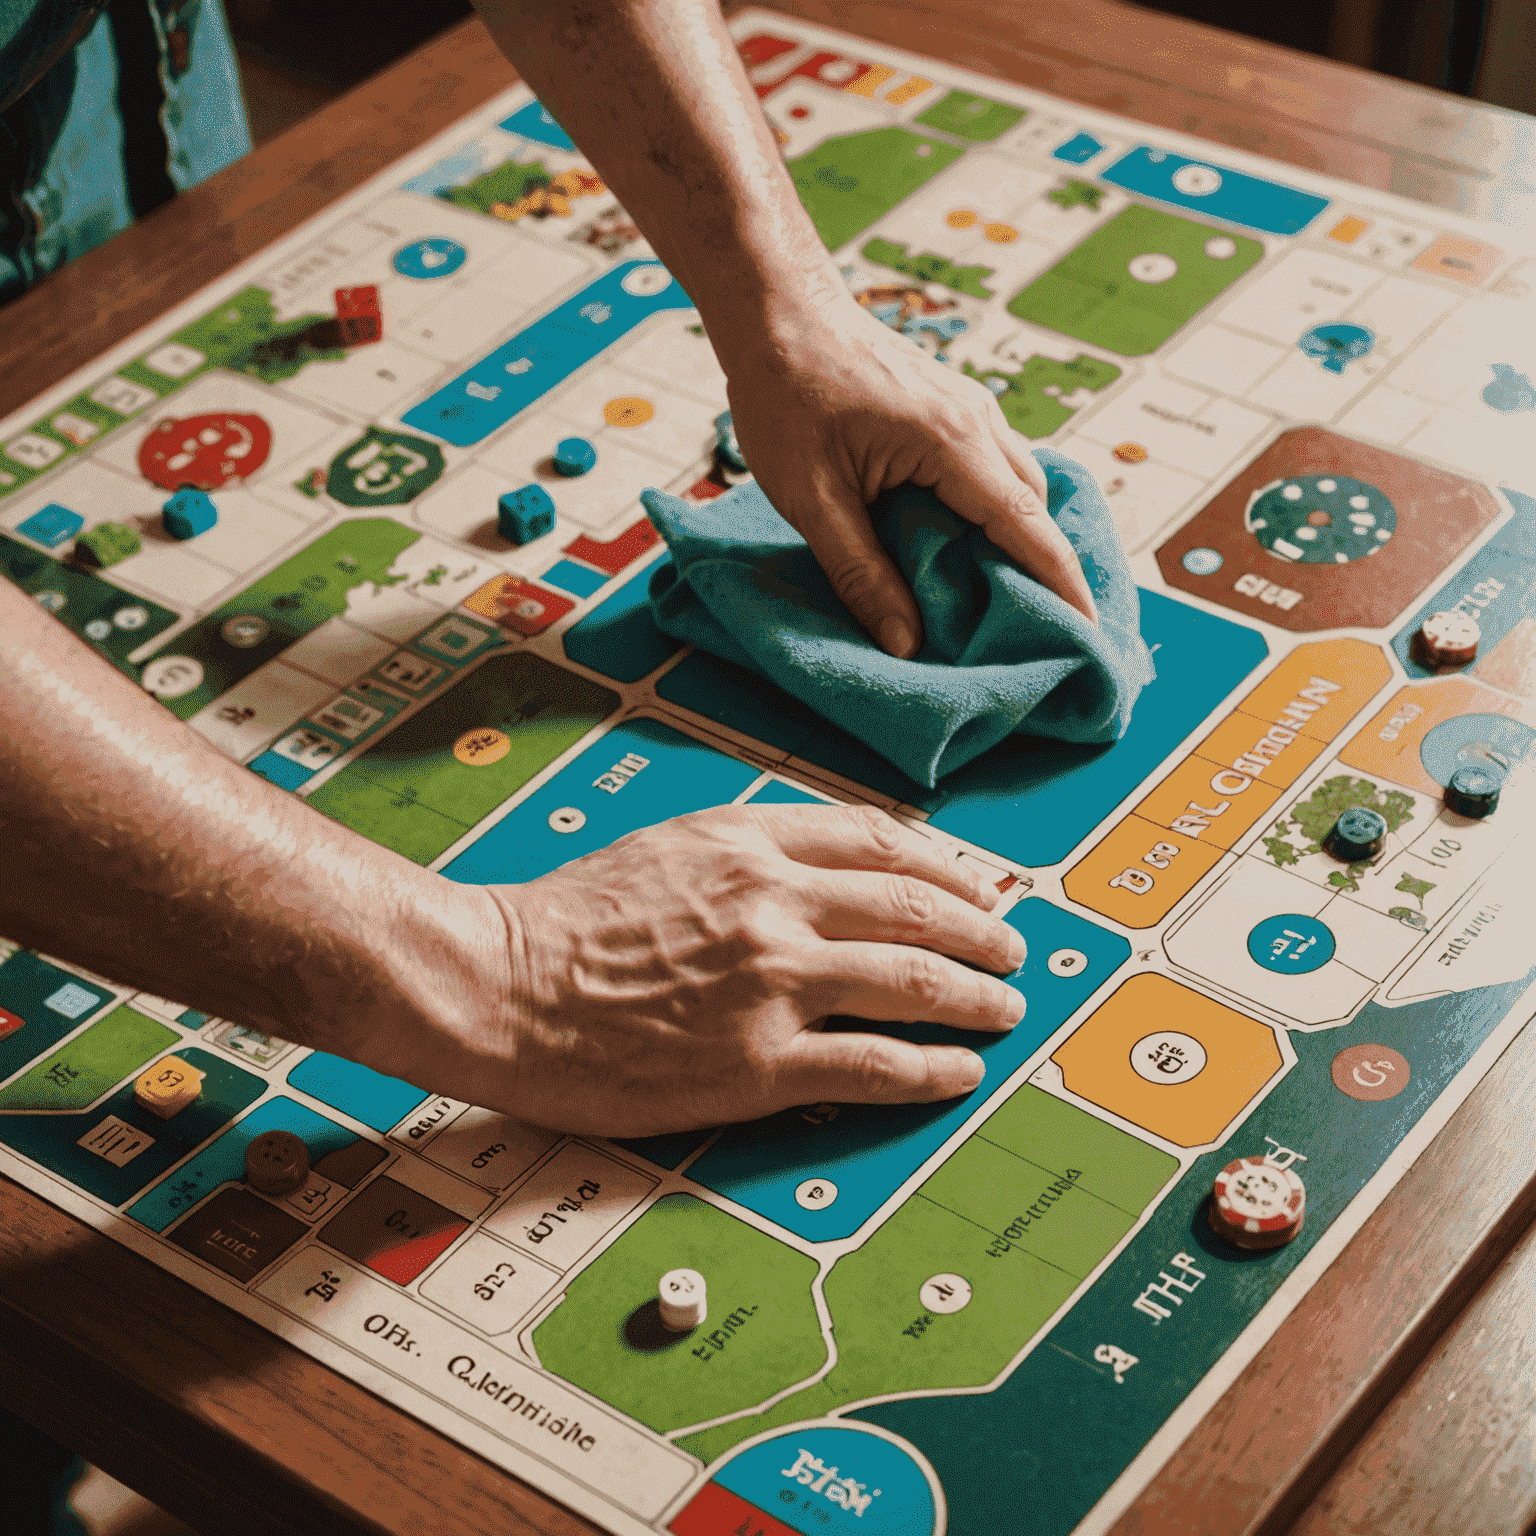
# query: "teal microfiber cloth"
1001,653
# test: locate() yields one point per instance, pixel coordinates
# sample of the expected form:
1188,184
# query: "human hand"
679,977
831,407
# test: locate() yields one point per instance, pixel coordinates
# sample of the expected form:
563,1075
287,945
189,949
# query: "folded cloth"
1001,653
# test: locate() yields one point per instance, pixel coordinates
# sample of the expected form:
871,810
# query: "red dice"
358,314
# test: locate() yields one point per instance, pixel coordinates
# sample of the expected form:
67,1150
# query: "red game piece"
613,556
359,315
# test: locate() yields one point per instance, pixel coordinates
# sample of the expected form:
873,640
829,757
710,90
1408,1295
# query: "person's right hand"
680,977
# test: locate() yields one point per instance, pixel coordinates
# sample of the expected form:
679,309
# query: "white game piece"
684,1299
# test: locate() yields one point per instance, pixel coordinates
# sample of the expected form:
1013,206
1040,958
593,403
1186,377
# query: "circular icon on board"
1202,562
1067,962
1370,1072
945,1294
437,257
1474,741
1196,180
628,411
1291,944
169,677
49,599
1153,267
482,747
133,617
1220,248
567,819
646,280
244,630
1168,1057
815,1194
1320,519
98,629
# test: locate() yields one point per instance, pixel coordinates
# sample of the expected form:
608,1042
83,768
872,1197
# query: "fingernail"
896,636
1018,951
1014,1011
971,1074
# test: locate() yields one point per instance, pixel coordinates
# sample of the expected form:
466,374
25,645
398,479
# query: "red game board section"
514,602
613,556
10,1023
716,1511
703,490
206,451
763,46
404,1263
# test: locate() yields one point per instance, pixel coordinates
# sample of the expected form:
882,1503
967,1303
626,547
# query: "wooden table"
1396,1398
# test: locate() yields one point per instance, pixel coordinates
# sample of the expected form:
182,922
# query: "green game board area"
415,794
762,1334
1135,280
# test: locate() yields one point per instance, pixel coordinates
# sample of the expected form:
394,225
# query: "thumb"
865,578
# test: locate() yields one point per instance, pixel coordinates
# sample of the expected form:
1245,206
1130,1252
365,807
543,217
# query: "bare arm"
830,406
672,980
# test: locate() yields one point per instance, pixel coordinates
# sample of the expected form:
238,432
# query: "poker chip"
1447,640
1255,1205
1320,519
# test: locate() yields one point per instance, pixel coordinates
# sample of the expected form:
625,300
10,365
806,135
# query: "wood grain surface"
1345,1423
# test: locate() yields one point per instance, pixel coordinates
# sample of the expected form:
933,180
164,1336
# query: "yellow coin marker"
961,218
1000,234
166,1088
481,747
628,411
1129,453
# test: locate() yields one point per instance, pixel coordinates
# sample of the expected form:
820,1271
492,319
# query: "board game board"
1306,404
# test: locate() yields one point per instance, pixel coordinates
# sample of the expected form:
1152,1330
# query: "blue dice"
525,514
188,513
574,456
52,526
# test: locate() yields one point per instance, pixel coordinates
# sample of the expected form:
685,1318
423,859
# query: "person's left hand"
831,407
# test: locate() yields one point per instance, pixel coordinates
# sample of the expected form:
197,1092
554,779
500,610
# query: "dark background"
298,54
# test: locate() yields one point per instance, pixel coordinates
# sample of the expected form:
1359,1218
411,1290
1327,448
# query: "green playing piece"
106,544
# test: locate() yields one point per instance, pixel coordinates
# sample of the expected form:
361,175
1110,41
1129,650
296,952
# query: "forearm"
136,850
654,93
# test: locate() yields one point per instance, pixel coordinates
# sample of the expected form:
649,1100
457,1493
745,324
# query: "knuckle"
856,579
878,1062
879,828
923,979
912,900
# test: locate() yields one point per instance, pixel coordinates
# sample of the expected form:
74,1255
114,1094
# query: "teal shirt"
104,114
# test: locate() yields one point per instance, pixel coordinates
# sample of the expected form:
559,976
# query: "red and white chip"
1255,1200
1448,639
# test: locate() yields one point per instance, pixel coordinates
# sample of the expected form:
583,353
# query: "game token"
244,630
276,1163
574,456
358,315
1447,640
1129,453
1255,1204
684,1299
106,544
166,1088
1357,835
1473,792
628,411
188,513
525,514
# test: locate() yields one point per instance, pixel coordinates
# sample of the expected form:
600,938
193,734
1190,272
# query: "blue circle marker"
826,1480
574,456
1202,562
1480,741
437,257
1291,945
